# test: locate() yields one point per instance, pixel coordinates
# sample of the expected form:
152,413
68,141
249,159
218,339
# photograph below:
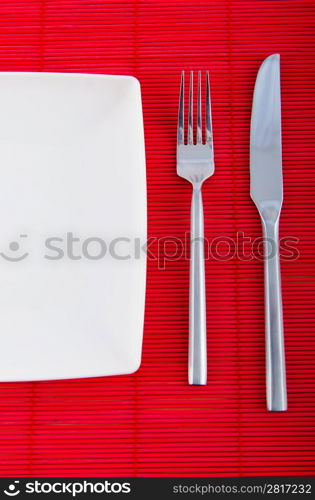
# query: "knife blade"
265,134
266,189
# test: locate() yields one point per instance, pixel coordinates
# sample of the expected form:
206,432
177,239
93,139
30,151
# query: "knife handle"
275,355
197,355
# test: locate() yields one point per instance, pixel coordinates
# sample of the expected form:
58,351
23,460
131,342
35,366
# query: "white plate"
72,163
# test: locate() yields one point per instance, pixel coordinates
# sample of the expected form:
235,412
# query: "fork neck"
197,224
197,184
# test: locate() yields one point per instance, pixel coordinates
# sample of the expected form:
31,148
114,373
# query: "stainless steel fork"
195,163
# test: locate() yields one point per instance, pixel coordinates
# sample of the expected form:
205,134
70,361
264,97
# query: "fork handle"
275,356
197,356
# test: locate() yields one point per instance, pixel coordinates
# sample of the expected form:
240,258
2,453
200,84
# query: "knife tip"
272,61
273,57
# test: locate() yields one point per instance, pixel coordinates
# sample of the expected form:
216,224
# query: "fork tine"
190,137
208,111
199,119
180,127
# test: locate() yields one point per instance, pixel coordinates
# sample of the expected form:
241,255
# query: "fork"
195,163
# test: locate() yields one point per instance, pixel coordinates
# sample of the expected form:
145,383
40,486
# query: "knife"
267,193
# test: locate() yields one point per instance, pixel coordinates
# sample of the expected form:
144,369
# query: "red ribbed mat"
152,423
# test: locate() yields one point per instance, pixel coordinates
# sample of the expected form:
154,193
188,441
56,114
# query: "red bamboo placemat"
152,423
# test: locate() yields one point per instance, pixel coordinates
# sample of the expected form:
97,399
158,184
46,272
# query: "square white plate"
72,222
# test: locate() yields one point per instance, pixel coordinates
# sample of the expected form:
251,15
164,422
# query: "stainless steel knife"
267,193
